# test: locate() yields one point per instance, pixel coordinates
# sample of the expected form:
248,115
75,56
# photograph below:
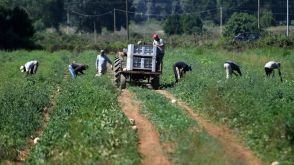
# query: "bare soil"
232,147
149,143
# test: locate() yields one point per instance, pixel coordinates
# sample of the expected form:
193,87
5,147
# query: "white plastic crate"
141,57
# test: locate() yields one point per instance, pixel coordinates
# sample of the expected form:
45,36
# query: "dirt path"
23,154
231,145
149,143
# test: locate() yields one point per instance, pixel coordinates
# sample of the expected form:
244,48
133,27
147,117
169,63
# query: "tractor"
139,66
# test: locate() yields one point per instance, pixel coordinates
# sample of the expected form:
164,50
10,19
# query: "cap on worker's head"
155,36
190,68
22,68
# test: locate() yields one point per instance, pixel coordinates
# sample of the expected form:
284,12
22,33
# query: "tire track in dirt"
149,143
232,146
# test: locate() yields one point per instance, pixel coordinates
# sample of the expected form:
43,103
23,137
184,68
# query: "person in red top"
159,43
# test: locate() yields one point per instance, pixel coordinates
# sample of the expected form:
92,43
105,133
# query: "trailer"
138,67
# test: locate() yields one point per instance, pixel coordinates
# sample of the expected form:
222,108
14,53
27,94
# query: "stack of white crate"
141,57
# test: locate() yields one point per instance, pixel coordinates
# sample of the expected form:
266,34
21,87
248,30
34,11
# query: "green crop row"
87,126
258,109
182,138
23,98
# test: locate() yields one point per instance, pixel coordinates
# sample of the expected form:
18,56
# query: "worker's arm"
109,61
280,74
160,43
97,62
239,71
235,73
80,69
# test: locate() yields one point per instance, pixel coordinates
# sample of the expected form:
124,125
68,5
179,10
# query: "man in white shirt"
270,66
101,63
30,67
159,43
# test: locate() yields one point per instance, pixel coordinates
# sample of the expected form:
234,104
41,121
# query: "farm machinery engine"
138,67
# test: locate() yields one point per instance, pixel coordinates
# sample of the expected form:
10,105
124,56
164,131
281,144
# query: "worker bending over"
270,66
180,68
230,67
30,67
75,68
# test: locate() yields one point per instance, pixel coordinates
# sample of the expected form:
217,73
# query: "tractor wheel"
122,82
155,82
117,69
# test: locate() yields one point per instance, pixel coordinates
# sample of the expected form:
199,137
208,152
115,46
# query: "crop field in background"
87,125
256,108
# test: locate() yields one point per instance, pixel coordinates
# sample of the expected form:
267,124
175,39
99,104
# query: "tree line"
86,15
19,19
210,9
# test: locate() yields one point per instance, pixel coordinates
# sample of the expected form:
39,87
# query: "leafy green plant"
240,23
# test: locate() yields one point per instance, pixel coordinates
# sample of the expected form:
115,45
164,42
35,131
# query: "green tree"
173,25
16,29
239,23
266,19
191,24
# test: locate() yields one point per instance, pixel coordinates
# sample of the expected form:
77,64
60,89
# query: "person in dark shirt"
180,68
75,68
230,67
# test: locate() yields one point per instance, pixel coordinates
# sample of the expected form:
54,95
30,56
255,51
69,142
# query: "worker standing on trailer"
30,67
75,68
180,68
101,63
159,43
230,67
270,66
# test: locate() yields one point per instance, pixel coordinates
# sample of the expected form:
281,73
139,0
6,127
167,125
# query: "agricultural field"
87,126
258,109
23,98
